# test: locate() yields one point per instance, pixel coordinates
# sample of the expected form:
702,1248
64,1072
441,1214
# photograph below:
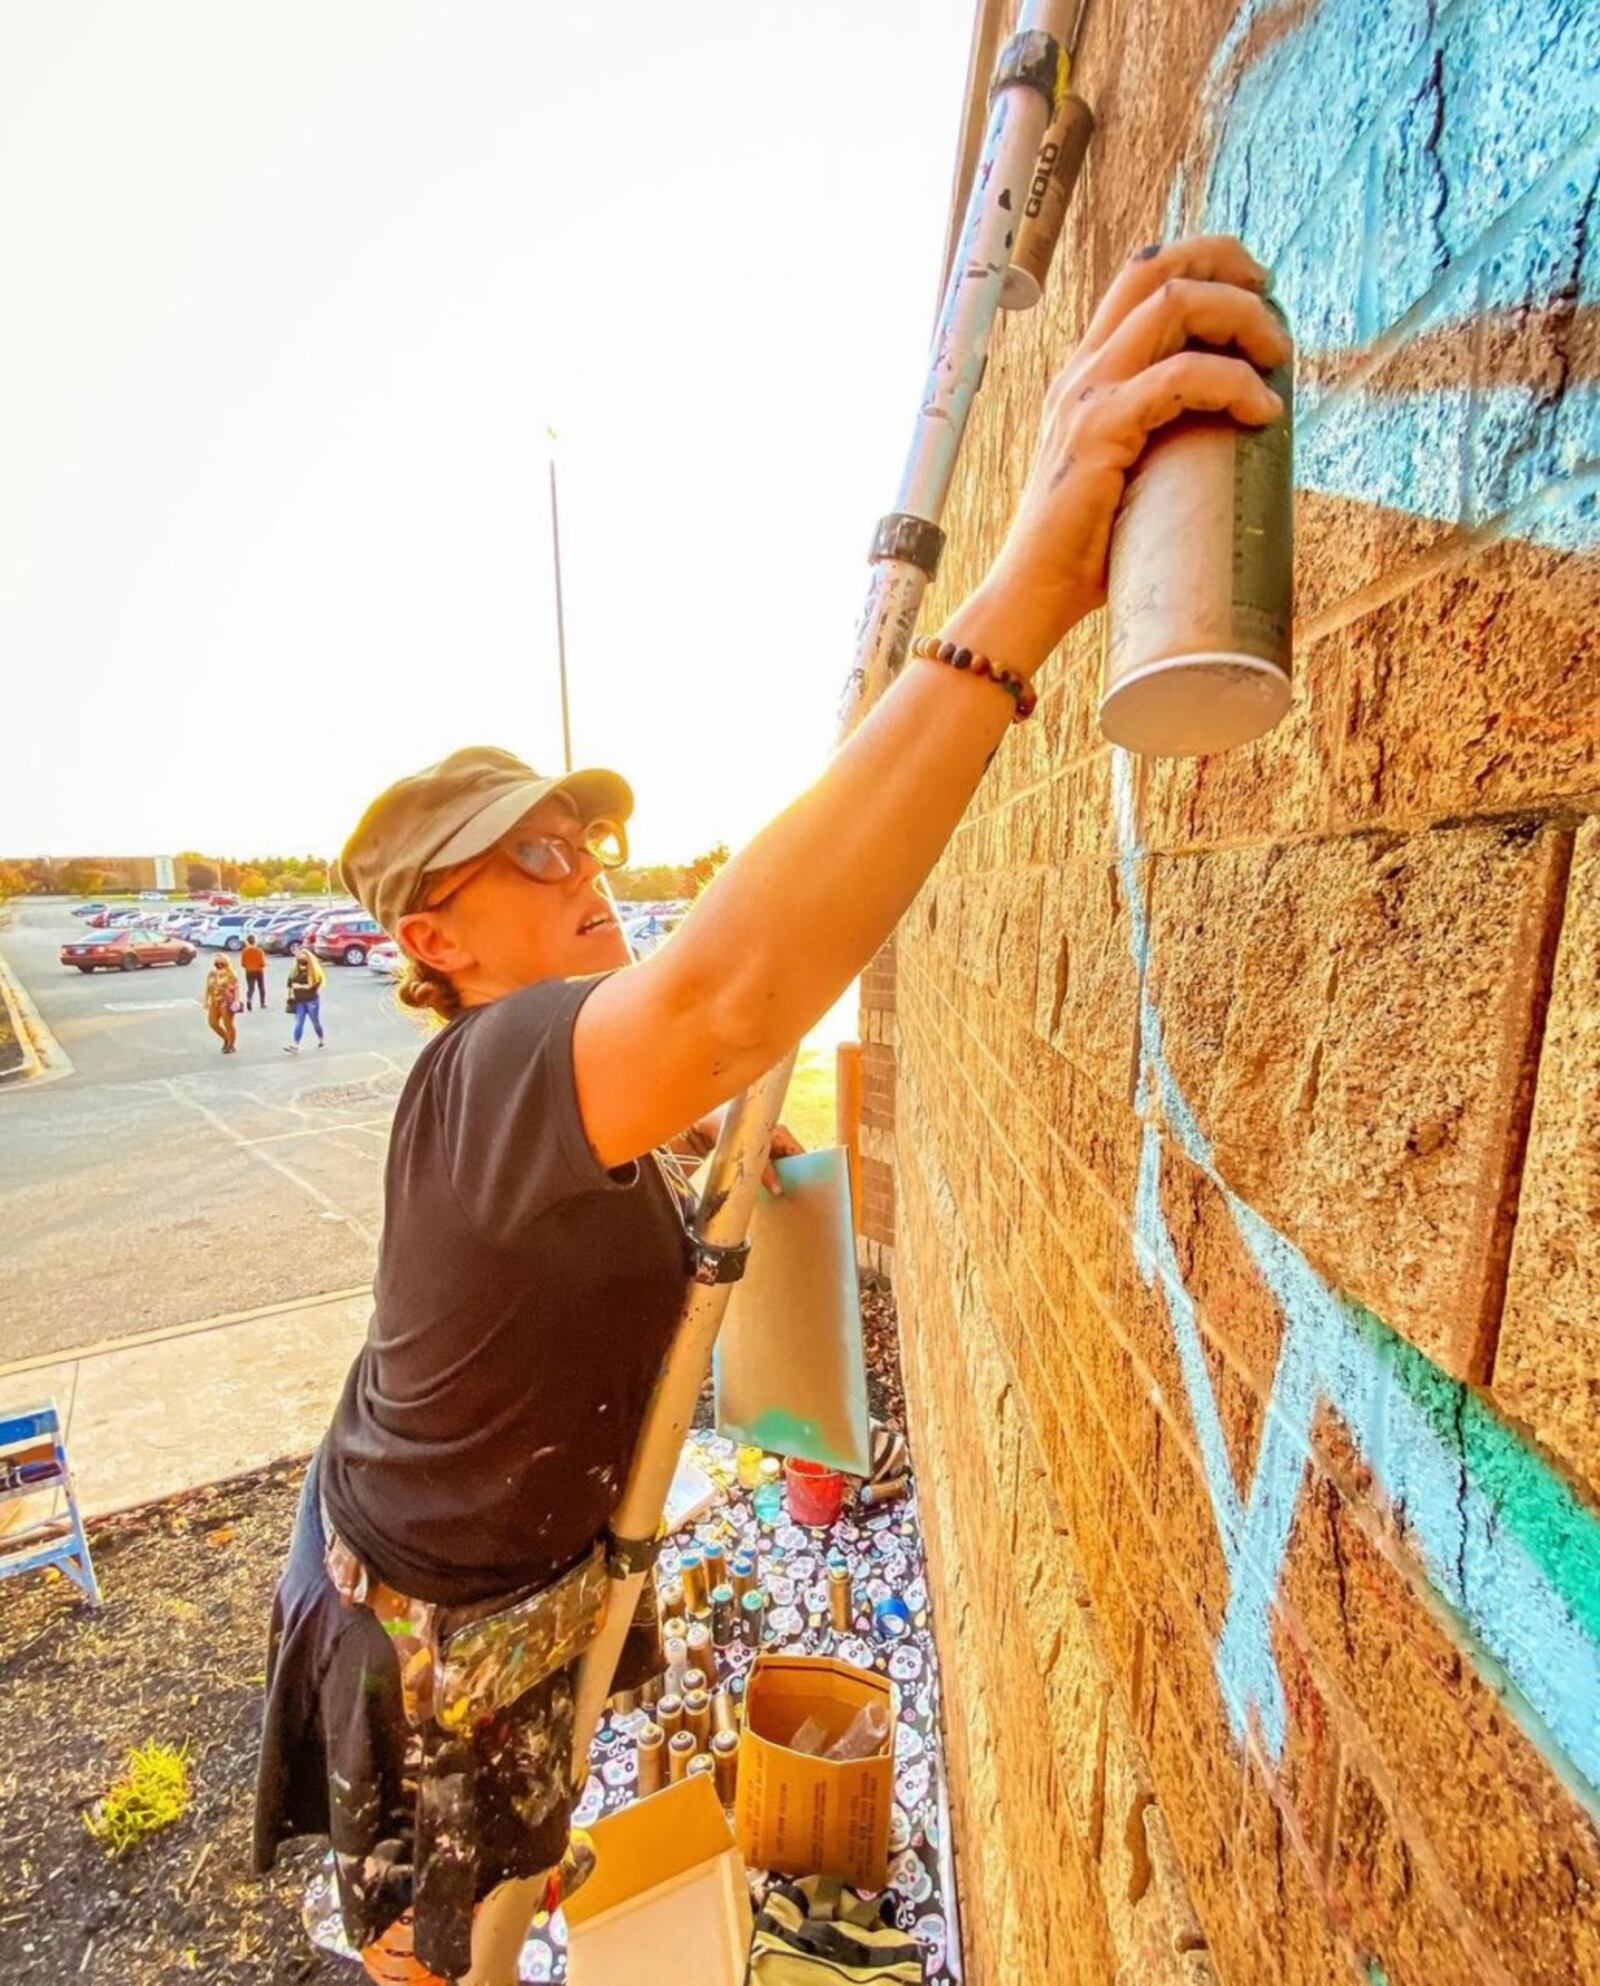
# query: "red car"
346,937
127,951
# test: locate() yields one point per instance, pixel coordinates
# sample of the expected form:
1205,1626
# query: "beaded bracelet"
931,649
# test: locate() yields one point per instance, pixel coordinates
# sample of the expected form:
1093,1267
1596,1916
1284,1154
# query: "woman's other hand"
1131,375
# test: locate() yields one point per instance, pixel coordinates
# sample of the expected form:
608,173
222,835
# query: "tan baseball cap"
449,812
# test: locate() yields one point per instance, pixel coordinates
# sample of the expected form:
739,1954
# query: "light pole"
561,628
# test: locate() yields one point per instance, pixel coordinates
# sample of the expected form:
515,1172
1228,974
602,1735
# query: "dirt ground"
175,1655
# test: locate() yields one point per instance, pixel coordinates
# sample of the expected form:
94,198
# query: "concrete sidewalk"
151,1415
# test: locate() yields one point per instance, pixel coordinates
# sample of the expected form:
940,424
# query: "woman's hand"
701,1136
1130,376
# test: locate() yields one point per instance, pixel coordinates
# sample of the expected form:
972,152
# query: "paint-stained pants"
220,1022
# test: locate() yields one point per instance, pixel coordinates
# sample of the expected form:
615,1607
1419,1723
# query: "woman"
533,1257
305,997
222,1001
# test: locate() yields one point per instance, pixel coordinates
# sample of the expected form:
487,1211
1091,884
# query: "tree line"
311,875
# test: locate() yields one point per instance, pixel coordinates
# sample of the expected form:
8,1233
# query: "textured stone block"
1507,1839
1086,998
1547,1366
1351,1023
1393,1905
1477,691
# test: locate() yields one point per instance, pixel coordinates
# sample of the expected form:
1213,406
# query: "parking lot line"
285,1171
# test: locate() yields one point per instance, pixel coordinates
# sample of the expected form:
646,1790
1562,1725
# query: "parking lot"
161,1182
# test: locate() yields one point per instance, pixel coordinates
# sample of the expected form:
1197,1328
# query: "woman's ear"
428,938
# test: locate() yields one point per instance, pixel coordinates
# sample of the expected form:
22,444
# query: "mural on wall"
1458,188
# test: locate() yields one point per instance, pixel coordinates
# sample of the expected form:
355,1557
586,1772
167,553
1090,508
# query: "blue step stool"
33,1458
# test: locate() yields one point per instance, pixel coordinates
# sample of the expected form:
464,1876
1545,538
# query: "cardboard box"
810,1816
667,1901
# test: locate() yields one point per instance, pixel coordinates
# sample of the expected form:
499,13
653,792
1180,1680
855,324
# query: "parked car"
386,959
224,932
346,939
152,896
127,951
89,909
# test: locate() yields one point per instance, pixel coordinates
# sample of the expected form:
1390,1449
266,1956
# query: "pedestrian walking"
447,1567
254,961
305,997
222,1001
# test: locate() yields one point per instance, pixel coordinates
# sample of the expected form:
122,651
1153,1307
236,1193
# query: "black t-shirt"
525,1299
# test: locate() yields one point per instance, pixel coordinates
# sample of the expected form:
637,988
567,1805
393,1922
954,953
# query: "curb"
160,1334
43,1057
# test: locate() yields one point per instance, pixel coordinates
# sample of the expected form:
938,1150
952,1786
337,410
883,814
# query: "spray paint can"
677,1650
696,1592
890,1491
841,1597
742,1576
669,1600
725,1753
1044,206
680,1749
702,1766
747,1465
724,1713
1200,592
702,1650
753,1617
669,1715
624,1703
652,1743
715,1561
724,1617
697,1717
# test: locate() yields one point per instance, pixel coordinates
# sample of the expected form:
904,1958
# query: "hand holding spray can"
1200,586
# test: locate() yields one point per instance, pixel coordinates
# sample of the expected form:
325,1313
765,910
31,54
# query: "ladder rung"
46,1531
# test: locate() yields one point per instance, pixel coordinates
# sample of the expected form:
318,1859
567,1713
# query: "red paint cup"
815,1492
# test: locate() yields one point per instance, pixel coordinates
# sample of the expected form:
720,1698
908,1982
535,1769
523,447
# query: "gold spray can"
725,1750
680,1749
841,1599
1200,586
652,1743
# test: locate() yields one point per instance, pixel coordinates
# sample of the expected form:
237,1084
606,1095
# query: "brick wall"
1246,1113
876,1224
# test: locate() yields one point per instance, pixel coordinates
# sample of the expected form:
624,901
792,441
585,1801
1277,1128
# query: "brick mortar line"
1361,1513
1367,1519
1369,1761
1056,1759
1224,1831
1562,811
1520,1107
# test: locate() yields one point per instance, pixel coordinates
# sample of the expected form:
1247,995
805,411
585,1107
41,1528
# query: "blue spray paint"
1408,167
1529,1624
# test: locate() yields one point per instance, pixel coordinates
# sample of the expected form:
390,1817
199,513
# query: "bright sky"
294,291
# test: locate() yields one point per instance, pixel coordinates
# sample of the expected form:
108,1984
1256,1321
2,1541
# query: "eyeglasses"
547,858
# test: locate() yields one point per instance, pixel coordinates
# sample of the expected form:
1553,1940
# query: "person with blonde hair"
306,981
221,997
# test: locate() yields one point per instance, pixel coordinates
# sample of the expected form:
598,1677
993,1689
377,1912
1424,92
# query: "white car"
386,959
225,933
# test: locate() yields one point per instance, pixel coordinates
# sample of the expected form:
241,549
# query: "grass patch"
808,1108
151,1794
